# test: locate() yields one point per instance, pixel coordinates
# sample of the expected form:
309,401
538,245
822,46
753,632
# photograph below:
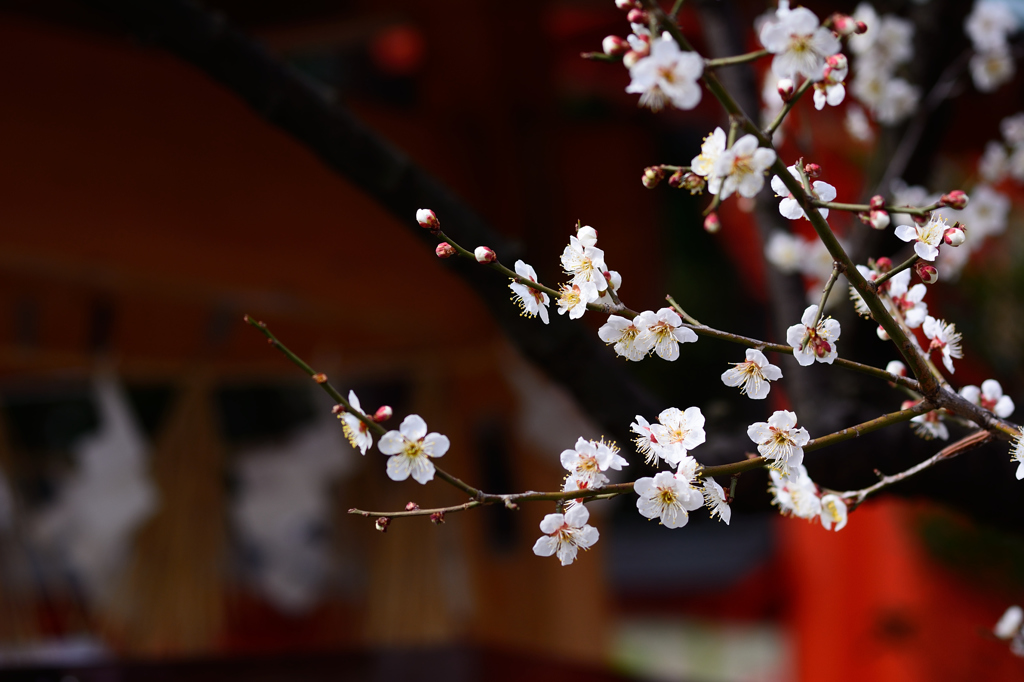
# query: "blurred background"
173,492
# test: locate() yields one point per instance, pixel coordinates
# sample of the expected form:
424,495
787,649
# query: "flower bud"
838,62
484,254
954,236
907,404
587,235
427,220
896,367
883,264
444,250
636,16
437,518
338,409
862,28
411,506
614,46
881,333
712,224
382,524
957,199
625,5
877,201
1009,624
812,170
844,24
693,182
631,58
921,219
676,179
382,414
878,219
653,175
926,273
786,89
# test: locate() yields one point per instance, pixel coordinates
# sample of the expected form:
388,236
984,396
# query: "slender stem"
678,5
863,208
867,427
825,292
895,271
601,57
855,497
683,313
786,108
738,59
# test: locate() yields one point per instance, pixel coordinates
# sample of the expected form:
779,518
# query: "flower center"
667,497
413,449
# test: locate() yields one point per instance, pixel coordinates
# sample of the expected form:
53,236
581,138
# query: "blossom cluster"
880,52
797,495
989,26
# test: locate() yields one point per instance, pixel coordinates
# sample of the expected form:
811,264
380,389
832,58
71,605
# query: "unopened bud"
338,409
625,5
921,219
1009,624
676,179
382,414
957,199
883,264
484,254
877,201
637,16
878,219
653,175
712,224
786,89
926,273
882,334
954,236
862,28
693,182
320,378
844,24
812,170
444,250
437,518
907,404
838,62
382,524
631,58
587,235
427,220
896,367
411,506
614,46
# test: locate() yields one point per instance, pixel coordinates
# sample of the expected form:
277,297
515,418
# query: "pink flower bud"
926,273
839,62
957,199
625,5
382,524
954,236
631,58
614,46
411,506
812,170
861,28
896,367
693,182
882,334
587,235
637,16
921,219
877,201
844,24
653,175
444,250
427,220
484,254
338,409
382,414
712,224
878,219
437,518
786,89
883,264
676,179
907,404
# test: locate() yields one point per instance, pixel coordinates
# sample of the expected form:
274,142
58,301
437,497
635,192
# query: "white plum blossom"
930,426
645,440
909,302
927,238
857,124
667,74
785,251
991,69
573,299
799,42
789,208
676,433
898,101
780,440
833,512
589,459
752,375
623,334
741,168
831,89
714,500
410,449
1009,625
585,264
909,196
944,338
565,534
989,25
795,493
994,163
990,396
710,149
586,235
355,430
896,367
668,497
812,341
1012,128
986,214
662,332
533,302
1017,454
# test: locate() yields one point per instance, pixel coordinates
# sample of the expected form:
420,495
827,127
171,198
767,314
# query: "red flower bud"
883,264
878,201
653,175
637,16
786,89
812,170
382,414
614,46
427,220
712,224
956,199
926,273
954,236
444,250
382,524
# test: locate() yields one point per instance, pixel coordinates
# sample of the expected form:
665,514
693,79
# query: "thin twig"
738,59
895,271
